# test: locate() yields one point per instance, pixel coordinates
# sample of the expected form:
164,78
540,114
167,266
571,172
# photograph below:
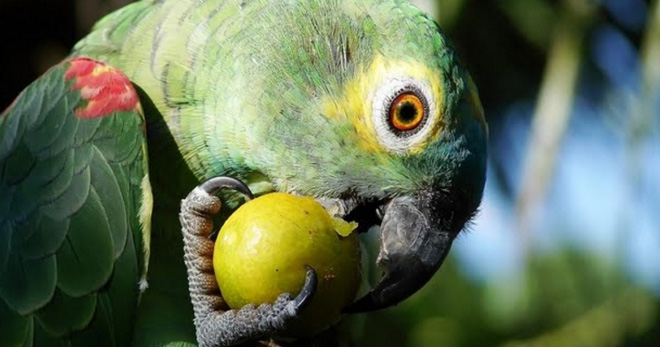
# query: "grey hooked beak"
415,238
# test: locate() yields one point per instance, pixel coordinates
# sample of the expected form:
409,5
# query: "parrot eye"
407,112
402,113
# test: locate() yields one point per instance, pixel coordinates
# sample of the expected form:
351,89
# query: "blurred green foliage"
567,299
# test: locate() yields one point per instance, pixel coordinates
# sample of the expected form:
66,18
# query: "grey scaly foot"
215,324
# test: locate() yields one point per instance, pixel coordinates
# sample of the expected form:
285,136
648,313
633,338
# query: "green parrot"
361,104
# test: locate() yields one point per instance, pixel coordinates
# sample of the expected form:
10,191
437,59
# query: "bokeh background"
566,248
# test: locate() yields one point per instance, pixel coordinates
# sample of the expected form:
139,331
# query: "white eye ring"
396,140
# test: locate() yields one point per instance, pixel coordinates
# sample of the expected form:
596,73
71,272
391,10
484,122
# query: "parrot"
111,161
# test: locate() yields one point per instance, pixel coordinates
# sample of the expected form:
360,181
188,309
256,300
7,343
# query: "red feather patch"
105,89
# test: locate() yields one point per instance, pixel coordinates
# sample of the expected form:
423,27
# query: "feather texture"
71,241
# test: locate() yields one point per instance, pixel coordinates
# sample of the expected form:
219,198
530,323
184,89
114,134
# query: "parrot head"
367,107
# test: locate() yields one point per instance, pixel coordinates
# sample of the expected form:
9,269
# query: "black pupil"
407,112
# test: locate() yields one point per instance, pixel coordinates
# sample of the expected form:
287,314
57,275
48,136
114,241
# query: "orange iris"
406,112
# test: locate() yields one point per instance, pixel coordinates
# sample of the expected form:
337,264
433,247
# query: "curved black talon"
308,289
215,184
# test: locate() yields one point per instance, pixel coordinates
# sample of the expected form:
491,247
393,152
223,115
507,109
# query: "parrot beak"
415,239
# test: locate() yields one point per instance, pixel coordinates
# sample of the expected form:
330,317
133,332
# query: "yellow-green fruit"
262,250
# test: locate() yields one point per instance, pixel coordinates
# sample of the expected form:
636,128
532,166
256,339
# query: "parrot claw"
308,289
215,323
213,185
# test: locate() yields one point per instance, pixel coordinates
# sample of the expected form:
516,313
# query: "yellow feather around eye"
354,103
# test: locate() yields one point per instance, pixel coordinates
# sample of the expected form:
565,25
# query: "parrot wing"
73,181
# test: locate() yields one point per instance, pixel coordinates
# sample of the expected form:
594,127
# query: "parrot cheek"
416,235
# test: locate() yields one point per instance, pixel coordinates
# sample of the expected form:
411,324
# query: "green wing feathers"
72,165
